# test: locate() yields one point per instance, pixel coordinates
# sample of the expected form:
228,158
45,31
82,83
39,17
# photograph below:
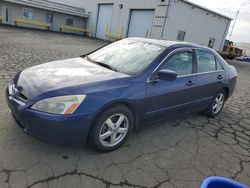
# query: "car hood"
55,75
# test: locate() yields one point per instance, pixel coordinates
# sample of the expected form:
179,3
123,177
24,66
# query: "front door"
173,97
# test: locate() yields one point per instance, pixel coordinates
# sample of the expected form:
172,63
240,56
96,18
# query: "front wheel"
217,104
111,129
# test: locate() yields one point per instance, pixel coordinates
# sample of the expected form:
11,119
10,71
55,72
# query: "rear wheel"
111,129
217,104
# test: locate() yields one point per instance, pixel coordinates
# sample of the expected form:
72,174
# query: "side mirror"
166,74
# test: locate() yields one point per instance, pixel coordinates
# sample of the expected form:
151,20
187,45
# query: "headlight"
59,105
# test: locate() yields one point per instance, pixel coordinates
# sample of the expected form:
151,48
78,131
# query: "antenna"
236,16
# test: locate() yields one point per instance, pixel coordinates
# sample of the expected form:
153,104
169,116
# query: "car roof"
168,43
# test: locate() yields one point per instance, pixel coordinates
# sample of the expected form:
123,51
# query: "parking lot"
175,153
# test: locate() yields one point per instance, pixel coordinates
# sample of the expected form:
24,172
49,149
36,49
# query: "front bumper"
61,129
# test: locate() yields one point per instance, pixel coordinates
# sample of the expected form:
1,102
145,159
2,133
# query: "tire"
212,110
114,123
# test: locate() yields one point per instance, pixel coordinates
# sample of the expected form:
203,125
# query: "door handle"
219,77
189,83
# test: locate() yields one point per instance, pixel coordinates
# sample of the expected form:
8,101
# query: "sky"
241,32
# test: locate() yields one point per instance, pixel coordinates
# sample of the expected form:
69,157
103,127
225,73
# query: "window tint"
205,61
181,63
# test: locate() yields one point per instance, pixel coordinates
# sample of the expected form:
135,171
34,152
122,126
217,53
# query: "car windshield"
127,56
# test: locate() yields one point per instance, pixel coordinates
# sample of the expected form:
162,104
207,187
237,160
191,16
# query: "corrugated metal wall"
198,24
121,17
16,11
172,15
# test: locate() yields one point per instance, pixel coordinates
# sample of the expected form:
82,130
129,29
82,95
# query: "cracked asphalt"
175,153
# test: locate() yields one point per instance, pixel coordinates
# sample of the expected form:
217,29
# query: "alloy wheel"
218,103
114,130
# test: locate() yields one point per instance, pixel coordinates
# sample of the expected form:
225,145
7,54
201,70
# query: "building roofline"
206,9
52,6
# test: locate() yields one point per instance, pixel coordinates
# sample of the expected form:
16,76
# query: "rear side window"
205,61
181,63
219,66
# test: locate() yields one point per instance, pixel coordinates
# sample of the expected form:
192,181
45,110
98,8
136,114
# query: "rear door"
210,76
169,98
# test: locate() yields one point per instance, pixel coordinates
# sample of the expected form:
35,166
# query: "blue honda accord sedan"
101,97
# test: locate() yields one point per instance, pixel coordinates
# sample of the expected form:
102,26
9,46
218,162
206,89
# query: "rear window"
205,61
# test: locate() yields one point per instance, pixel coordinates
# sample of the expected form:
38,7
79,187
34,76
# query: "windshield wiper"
102,64
84,55
106,66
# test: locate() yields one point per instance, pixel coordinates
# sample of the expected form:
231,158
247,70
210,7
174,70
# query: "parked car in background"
104,95
243,58
247,59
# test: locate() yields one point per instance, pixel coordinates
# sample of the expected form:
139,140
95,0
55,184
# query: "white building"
165,19
115,19
43,14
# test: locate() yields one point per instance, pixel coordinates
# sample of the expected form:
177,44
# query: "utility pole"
234,22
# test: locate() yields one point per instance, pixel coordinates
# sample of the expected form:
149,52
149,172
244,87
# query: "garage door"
140,23
104,18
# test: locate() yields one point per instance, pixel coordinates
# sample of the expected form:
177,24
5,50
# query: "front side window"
69,21
128,56
28,13
181,63
181,35
205,61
